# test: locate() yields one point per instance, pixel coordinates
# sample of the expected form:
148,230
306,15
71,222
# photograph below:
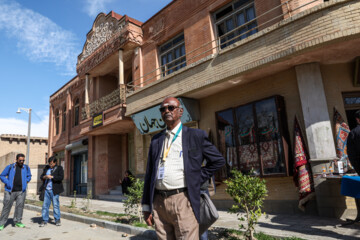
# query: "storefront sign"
98,120
150,121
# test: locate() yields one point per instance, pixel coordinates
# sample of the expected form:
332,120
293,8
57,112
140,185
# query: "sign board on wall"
149,120
98,120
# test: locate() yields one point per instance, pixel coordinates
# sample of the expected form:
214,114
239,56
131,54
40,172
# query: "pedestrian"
171,197
126,182
52,176
353,144
15,177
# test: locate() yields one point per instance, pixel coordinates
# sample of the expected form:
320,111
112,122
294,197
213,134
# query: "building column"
87,95
319,134
51,133
90,160
121,67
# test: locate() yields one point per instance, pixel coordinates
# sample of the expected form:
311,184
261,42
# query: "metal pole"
28,139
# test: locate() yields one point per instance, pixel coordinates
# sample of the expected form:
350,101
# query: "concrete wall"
36,171
38,149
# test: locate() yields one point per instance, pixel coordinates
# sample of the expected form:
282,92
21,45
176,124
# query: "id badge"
161,173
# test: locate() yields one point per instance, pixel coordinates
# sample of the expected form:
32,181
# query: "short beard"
20,164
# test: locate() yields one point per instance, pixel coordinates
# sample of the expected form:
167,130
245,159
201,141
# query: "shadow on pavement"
309,225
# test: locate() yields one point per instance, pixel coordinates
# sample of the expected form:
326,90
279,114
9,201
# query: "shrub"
248,193
133,203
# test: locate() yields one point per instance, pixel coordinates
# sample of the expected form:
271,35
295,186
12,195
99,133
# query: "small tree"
133,203
248,193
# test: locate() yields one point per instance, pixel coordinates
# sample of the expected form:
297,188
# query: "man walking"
52,177
353,144
15,177
174,175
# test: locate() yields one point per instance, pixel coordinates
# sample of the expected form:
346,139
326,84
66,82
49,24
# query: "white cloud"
19,126
39,38
94,7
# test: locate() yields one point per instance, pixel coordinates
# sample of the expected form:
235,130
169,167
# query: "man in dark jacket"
353,144
174,175
16,177
52,177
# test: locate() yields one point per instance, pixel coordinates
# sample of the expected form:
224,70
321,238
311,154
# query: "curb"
119,227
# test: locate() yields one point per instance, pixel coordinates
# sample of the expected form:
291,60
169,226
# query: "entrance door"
80,174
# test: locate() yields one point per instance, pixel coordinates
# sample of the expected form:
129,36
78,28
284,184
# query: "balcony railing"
116,97
217,45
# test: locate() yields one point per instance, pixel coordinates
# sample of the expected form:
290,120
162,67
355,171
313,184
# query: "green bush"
248,193
133,203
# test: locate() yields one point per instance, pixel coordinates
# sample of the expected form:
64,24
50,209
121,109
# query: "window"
76,112
235,21
351,104
64,119
253,136
172,55
57,118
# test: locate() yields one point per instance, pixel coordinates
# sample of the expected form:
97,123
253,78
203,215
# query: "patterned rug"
302,172
342,131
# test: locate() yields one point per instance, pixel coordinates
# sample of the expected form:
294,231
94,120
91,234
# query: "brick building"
242,69
12,144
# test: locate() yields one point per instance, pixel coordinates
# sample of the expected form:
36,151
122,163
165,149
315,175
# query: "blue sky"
39,44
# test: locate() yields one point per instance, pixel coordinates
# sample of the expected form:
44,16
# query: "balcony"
116,97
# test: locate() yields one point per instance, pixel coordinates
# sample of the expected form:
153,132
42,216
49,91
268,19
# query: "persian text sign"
149,121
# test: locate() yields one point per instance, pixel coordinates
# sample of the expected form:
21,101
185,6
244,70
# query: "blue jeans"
48,198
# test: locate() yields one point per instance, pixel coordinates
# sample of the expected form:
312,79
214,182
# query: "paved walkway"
67,231
302,226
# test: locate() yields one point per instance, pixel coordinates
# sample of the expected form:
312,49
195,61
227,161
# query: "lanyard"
168,150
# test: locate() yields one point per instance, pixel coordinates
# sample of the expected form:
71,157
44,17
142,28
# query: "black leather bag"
42,192
208,213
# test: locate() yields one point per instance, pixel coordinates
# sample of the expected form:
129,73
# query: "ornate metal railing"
114,98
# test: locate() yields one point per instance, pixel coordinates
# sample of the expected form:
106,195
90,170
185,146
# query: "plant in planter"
248,192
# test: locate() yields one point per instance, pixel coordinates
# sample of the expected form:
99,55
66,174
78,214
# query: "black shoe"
43,224
58,223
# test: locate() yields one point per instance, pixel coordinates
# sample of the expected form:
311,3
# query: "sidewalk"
301,226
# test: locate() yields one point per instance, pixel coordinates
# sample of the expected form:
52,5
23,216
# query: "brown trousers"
174,218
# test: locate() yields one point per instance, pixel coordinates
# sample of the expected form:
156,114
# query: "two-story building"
243,70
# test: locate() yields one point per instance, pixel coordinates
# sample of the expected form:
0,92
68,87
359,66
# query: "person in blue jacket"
16,177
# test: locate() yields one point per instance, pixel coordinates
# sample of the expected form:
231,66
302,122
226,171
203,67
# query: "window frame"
175,63
57,121
286,153
76,112
63,127
238,34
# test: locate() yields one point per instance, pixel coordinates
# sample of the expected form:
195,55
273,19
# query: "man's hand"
148,218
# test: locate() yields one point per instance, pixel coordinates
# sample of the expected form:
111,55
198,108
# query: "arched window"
76,112
64,118
57,117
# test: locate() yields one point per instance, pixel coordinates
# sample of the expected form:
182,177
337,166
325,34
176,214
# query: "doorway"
80,174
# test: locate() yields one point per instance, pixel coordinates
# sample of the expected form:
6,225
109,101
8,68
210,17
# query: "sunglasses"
21,160
169,107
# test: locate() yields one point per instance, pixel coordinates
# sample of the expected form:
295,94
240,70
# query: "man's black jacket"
353,148
58,174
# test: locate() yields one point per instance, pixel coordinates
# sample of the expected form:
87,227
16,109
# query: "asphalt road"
68,230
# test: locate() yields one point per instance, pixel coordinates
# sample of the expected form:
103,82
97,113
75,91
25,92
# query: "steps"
115,195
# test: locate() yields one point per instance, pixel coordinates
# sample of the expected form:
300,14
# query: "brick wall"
305,32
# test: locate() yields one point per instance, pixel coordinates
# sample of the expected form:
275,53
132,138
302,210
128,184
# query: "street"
68,230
